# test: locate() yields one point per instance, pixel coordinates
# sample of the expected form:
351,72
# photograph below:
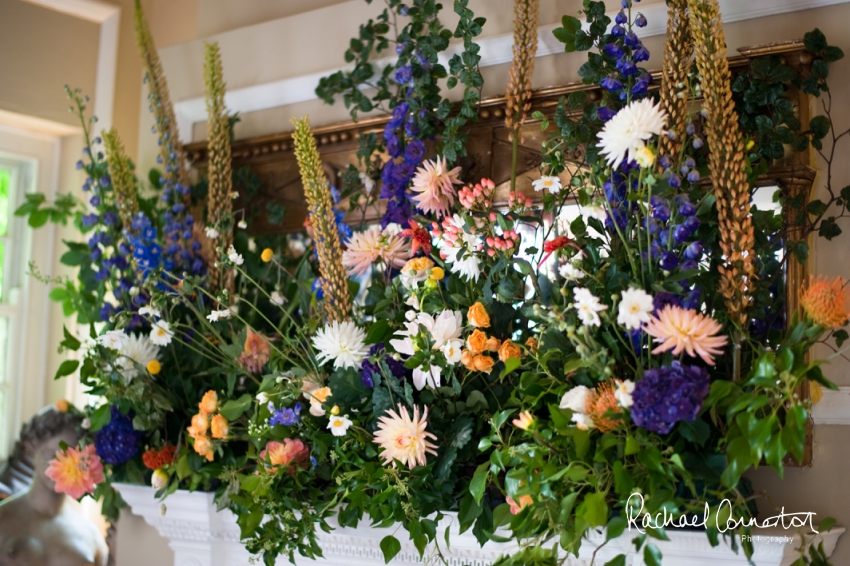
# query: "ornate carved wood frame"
273,160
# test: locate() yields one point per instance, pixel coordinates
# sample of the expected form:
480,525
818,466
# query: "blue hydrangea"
117,442
668,395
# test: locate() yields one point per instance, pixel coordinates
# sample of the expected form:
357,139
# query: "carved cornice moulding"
202,537
345,136
495,50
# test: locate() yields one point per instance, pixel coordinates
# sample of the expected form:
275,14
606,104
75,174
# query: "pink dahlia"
685,330
76,471
405,439
435,185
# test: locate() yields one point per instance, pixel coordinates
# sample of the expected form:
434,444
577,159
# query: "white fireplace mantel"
200,536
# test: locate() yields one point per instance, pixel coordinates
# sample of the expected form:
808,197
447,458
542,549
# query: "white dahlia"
342,342
628,131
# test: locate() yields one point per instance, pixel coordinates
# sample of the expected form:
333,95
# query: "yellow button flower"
437,273
154,367
267,255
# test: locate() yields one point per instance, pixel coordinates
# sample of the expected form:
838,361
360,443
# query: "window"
16,177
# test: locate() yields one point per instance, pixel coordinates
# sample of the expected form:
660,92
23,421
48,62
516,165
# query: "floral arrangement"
492,357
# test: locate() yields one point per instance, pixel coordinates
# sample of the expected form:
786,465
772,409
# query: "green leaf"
100,417
651,555
616,527
67,368
39,218
511,364
619,560
390,546
594,509
347,388
234,409
479,481
70,342
378,331
184,470
476,401
820,126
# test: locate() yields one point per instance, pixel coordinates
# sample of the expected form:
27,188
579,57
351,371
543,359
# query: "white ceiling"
217,16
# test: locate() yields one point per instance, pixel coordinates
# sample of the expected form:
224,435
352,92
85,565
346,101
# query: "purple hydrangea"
370,368
668,395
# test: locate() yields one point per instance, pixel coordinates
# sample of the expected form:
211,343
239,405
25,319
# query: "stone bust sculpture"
37,527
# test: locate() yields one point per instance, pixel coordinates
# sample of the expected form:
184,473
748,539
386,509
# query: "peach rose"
483,363
209,404
200,424
466,360
509,350
203,447
478,316
292,454
524,501
493,344
477,342
220,427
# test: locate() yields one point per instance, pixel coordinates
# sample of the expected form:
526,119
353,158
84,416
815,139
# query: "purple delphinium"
371,365
668,395
286,416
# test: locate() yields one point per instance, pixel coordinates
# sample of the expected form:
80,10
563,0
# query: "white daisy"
112,339
277,298
211,233
339,425
218,315
575,399
296,247
161,333
596,211
629,130
635,309
551,184
570,272
452,351
468,266
588,307
342,342
234,257
368,183
583,422
136,349
149,311
623,393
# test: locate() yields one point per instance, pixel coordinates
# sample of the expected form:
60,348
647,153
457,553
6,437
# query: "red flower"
419,236
553,245
155,459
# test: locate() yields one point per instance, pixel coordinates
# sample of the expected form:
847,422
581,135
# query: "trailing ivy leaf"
479,481
651,555
390,546
100,417
234,408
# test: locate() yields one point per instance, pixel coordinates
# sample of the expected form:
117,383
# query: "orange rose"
531,343
220,427
466,360
478,316
209,404
493,344
477,342
203,447
483,363
509,350
62,405
199,427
